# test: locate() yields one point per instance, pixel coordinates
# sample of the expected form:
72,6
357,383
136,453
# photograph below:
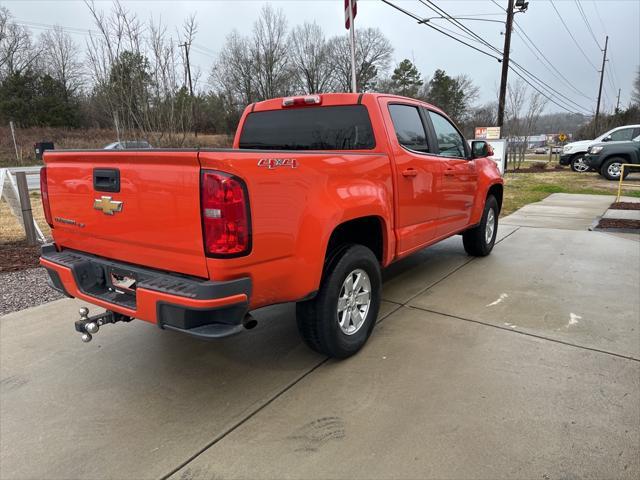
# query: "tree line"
132,75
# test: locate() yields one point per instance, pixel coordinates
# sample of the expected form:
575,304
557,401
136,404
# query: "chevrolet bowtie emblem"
108,206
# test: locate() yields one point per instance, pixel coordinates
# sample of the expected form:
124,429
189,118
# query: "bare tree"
136,69
17,52
373,57
521,122
232,73
310,58
516,97
635,93
60,58
269,49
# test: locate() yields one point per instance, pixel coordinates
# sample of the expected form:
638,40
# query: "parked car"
573,153
608,158
540,150
128,145
312,201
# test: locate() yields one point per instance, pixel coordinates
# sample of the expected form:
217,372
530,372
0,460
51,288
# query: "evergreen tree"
406,79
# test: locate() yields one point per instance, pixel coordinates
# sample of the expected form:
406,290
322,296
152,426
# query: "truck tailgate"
157,223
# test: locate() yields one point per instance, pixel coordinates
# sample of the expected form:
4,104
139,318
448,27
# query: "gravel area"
24,289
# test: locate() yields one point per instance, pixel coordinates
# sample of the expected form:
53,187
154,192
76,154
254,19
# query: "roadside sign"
562,137
487,133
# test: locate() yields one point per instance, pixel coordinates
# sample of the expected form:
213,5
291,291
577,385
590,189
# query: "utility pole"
186,55
604,59
193,116
617,110
505,64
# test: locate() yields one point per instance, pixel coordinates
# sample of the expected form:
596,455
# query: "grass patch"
524,188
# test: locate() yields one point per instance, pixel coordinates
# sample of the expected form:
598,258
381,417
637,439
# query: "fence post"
25,206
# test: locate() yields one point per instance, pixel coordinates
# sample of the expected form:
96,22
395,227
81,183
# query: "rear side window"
409,128
622,135
345,127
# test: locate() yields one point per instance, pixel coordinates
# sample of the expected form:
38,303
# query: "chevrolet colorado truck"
318,193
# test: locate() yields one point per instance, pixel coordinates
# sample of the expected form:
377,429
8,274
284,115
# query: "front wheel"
579,165
479,241
612,168
339,320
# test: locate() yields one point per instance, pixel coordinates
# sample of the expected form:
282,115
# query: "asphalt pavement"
523,364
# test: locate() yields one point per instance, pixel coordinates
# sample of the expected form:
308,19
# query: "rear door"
459,176
417,175
141,207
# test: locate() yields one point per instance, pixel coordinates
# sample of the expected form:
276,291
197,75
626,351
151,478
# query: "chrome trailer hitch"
89,326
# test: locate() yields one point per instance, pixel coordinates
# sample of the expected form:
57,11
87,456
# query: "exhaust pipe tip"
249,322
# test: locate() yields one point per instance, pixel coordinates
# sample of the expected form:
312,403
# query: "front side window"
450,142
409,128
622,135
309,128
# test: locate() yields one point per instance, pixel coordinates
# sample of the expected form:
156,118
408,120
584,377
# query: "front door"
459,176
417,176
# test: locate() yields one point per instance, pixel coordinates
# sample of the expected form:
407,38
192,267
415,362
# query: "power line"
595,4
543,84
433,7
572,37
520,32
422,22
541,93
584,17
533,77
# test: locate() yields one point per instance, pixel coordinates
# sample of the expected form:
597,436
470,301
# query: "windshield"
309,128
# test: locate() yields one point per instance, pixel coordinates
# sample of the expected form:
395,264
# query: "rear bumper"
177,302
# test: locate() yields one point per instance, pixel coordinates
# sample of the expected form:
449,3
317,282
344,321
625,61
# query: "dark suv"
608,158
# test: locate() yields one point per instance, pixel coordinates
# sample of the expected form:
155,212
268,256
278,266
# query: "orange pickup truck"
318,193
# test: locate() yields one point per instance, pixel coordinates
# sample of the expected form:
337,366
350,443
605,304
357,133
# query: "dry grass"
10,227
85,139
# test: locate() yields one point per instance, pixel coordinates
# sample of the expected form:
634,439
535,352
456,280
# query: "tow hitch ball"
89,326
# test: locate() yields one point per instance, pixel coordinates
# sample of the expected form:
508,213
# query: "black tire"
318,319
608,168
578,165
475,239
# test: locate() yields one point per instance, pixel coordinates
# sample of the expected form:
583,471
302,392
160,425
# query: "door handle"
449,172
409,172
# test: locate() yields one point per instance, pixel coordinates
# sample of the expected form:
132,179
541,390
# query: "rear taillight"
44,192
226,224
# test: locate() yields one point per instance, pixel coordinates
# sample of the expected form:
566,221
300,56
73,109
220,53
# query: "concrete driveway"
523,364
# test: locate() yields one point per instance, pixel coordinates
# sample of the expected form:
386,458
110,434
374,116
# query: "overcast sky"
430,50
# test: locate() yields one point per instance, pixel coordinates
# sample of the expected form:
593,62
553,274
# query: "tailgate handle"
106,179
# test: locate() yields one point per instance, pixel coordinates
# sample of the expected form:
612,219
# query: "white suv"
573,153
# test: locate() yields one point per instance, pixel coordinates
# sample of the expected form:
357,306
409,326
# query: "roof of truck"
333,99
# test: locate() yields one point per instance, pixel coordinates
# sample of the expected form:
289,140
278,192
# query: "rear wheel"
578,164
612,168
479,241
339,320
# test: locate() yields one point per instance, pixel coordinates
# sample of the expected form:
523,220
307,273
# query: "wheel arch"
497,190
369,231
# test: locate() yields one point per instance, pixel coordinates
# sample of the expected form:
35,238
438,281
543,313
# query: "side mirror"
480,149
607,138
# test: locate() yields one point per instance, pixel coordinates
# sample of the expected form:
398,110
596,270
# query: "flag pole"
352,35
